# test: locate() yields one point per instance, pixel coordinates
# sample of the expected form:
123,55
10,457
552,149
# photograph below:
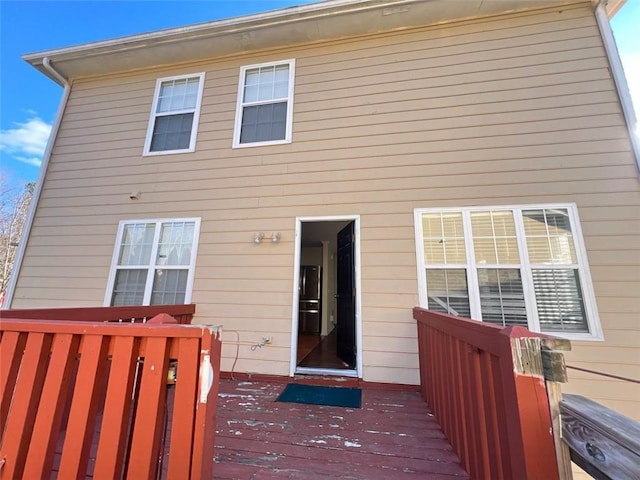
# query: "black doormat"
317,395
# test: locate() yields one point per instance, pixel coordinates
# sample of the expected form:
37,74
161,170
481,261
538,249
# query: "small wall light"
134,195
259,236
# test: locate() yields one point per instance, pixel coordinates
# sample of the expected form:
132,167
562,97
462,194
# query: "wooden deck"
393,436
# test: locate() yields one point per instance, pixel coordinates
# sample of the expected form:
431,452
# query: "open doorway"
326,297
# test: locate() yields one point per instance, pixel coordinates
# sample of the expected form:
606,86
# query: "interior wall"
311,255
328,287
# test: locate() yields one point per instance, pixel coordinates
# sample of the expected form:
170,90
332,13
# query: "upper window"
265,104
510,266
173,123
153,262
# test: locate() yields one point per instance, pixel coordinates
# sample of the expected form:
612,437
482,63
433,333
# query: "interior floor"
306,343
321,354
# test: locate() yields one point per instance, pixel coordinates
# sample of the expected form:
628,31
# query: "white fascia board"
289,26
620,80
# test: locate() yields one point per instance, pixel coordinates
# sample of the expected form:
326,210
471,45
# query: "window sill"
168,152
261,144
578,337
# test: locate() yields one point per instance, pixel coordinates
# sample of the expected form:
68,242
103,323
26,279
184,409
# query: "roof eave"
279,28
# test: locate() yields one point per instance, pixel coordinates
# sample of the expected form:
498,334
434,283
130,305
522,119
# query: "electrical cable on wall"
254,347
603,374
235,360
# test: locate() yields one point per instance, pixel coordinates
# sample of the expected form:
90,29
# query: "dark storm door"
346,299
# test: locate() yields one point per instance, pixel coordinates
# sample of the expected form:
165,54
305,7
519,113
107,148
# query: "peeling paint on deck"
386,433
391,436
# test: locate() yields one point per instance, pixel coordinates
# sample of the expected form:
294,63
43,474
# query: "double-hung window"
173,123
523,265
153,262
264,113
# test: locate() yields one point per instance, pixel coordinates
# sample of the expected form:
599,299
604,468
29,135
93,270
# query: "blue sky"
29,100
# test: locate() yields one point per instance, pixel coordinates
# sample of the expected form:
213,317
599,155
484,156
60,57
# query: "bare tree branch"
14,205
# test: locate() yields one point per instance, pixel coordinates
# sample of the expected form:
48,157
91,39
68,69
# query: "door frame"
293,369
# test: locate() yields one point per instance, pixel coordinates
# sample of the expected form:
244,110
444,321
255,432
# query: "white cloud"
34,161
27,141
631,65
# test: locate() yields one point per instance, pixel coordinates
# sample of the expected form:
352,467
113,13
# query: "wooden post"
207,404
555,374
528,416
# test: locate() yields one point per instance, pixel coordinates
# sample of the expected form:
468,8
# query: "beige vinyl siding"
512,109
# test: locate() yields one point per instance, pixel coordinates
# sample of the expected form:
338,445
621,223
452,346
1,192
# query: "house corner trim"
619,79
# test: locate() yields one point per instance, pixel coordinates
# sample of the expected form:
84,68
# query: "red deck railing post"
84,406
527,411
16,436
64,350
12,344
206,406
485,385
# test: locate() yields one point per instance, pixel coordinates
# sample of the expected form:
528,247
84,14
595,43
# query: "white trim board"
293,369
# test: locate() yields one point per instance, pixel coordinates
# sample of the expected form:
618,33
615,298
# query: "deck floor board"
393,435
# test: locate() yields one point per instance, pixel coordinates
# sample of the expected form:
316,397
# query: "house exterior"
469,157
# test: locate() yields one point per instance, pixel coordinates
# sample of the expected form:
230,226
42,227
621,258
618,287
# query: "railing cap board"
481,335
484,335
122,329
603,442
98,313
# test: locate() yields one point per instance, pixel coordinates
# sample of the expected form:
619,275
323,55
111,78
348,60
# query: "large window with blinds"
153,262
523,265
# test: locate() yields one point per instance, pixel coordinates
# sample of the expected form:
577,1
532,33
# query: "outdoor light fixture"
274,237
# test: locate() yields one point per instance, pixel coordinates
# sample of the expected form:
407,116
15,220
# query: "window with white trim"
153,262
173,123
523,265
264,113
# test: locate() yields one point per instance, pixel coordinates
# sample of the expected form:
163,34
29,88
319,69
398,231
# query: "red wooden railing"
87,399
485,386
131,314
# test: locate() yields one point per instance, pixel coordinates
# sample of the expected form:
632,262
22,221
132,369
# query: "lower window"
521,265
153,262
